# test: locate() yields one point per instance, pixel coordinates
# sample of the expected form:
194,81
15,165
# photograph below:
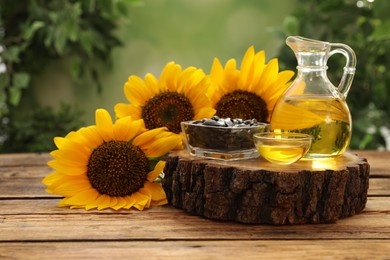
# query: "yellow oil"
281,154
327,119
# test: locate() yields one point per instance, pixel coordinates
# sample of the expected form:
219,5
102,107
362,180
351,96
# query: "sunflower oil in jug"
312,104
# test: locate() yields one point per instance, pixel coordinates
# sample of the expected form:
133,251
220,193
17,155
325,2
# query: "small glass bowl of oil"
282,148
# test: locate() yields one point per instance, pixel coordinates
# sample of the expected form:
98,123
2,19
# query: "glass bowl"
223,139
282,148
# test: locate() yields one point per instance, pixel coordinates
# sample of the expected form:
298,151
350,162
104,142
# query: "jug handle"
349,69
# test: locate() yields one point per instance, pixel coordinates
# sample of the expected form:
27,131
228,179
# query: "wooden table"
33,227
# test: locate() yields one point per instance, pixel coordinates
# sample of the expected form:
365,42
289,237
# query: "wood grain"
201,249
24,159
179,226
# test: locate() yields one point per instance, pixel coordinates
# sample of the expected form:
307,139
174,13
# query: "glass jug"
312,104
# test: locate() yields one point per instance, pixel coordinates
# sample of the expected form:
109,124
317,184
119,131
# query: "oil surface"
281,154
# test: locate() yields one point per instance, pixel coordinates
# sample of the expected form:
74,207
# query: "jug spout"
301,44
310,54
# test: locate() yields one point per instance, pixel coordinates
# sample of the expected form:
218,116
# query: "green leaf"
21,80
71,20
86,42
14,96
106,6
122,8
4,80
30,31
382,31
60,41
11,54
49,37
76,68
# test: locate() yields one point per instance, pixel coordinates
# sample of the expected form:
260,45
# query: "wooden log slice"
256,191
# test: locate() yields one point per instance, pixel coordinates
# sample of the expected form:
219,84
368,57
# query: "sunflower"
179,95
110,165
250,92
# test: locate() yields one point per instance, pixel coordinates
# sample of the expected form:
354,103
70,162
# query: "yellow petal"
141,200
206,112
77,207
146,137
121,202
135,112
197,94
136,91
155,190
137,127
55,179
216,72
71,188
184,79
268,77
122,110
60,142
156,171
91,134
104,124
73,157
160,202
230,66
105,202
122,129
259,64
284,77
130,201
78,141
169,77
200,102
67,169
152,83
180,145
51,178
113,202
195,76
246,69
62,203
147,193
97,202
230,78
214,93
278,87
162,145
82,198
194,90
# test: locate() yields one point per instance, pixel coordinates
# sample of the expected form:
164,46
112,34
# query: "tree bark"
255,191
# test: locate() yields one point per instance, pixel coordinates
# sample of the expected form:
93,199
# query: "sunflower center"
167,109
242,104
117,168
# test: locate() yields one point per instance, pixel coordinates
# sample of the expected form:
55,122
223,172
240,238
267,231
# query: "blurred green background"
60,60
